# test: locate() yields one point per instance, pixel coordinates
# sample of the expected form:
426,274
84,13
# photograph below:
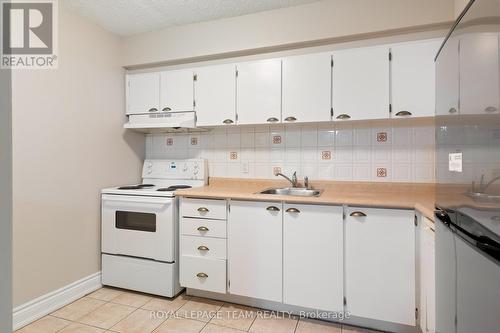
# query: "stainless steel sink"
483,197
294,191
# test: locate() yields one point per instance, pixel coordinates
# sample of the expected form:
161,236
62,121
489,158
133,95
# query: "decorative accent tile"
194,141
326,155
277,139
276,170
381,172
233,155
170,141
382,137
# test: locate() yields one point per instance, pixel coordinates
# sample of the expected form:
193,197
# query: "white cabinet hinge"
416,313
236,73
390,108
345,301
415,220
331,112
390,56
331,62
195,77
194,102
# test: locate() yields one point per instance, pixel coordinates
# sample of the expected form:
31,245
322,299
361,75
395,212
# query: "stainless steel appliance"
468,173
140,227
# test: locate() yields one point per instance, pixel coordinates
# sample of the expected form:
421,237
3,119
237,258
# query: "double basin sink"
293,191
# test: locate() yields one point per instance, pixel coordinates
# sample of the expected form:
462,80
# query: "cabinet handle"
403,113
203,210
202,229
202,275
292,210
203,248
228,121
490,109
273,209
357,214
343,116
452,110
290,119
272,120
166,109
153,110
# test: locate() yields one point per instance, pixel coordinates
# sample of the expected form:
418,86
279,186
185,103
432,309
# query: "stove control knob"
195,171
150,165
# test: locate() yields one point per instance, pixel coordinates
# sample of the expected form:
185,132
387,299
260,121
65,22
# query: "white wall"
68,143
5,202
459,6
316,21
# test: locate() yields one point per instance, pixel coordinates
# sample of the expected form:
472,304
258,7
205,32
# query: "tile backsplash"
398,150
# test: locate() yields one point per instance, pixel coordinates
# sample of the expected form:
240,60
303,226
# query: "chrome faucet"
292,181
483,188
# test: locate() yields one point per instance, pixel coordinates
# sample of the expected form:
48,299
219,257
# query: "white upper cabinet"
177,90
143,93
255,249
413,79
360,87
380,264
447,85
215,95
479,86
307,84
313,256
258,98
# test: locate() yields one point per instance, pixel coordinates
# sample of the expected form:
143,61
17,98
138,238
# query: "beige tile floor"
120,311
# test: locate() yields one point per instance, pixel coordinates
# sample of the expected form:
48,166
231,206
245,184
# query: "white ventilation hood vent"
163,122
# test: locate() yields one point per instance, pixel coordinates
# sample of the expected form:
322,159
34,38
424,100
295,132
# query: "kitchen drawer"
203,208
203,227
205,247
203,274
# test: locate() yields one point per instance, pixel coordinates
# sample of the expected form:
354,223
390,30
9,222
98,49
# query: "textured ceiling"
128,17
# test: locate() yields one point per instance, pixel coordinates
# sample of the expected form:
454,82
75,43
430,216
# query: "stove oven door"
139,226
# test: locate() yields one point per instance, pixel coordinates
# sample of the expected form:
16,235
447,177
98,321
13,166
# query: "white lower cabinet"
255,249
203,245
427,271
313,256
380,264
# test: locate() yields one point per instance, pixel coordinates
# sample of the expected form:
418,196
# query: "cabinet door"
143,93
413,79
215,95
259,92
307,88
177,90
360,87
430,278
447,89
380,264
479,86
255,249
313,256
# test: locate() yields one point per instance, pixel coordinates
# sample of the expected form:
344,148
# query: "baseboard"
48,303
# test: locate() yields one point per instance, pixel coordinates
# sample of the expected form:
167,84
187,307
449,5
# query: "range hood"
163,122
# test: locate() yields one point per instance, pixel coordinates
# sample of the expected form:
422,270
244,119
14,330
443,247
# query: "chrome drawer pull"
290,119
490,109
166,109
292,210
202,229
343,116
452,110
203,248
202,275
358,214
403,113
153,110
228,121
203,210
273,209
272,120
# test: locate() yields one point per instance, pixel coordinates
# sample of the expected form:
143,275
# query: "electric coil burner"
140,226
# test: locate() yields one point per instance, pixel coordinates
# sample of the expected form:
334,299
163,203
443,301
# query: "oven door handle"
138,199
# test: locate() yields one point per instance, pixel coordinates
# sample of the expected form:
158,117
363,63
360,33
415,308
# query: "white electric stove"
139,227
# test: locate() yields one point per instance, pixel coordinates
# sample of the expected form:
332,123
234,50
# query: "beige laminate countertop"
371,194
